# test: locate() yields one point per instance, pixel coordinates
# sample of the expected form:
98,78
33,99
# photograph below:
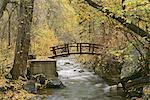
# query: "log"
140,81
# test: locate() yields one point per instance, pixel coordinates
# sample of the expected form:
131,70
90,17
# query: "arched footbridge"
75,48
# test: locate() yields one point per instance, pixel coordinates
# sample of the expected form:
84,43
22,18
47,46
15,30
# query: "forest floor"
13,90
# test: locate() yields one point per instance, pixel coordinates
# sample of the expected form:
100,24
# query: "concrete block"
46,67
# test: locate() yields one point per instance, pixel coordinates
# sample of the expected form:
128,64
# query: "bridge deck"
75,48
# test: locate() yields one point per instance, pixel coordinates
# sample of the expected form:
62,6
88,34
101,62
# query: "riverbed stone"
67,63
54,83
30,86
40,78
80,71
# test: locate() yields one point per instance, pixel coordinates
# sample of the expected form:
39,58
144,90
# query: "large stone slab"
46,67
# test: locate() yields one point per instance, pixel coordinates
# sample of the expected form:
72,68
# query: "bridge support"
46,67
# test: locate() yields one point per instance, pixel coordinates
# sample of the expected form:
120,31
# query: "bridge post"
54,51
93,48
65,49
77,47
67,46
80,48
89,47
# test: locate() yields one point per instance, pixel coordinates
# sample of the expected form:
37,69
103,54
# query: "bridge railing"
74,48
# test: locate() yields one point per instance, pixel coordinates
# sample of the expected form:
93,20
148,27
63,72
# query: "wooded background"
32,26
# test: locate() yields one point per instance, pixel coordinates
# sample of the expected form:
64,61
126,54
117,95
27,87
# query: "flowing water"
81,84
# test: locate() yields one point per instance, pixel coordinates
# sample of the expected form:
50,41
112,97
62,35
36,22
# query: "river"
81,84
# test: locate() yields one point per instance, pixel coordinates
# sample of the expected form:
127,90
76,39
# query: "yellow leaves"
43,39
116,52
2,82
128,21
132,4
146,90
84,58
42,4
6,57
17,93
22,95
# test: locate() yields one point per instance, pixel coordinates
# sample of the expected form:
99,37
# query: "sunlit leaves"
43,39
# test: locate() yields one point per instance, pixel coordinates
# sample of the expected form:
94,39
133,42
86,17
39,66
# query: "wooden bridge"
75,48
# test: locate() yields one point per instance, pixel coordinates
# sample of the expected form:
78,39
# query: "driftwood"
137,82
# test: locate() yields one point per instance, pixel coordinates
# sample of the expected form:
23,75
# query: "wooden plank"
93,46
56,48
136,82
59,55
67,45
89,47
78,43
77,47
72,46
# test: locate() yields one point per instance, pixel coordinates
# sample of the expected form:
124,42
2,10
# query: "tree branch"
123,21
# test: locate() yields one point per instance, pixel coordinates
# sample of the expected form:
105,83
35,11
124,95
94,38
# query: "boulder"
30,86
80,71
67,63
40,78
54,83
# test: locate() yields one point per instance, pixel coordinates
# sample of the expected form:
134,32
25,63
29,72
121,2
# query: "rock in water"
40,78
80,71
30,86
54,83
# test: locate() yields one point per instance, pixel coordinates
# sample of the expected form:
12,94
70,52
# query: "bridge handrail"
96,45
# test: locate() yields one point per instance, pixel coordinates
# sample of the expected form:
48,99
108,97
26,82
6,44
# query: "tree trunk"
23,38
